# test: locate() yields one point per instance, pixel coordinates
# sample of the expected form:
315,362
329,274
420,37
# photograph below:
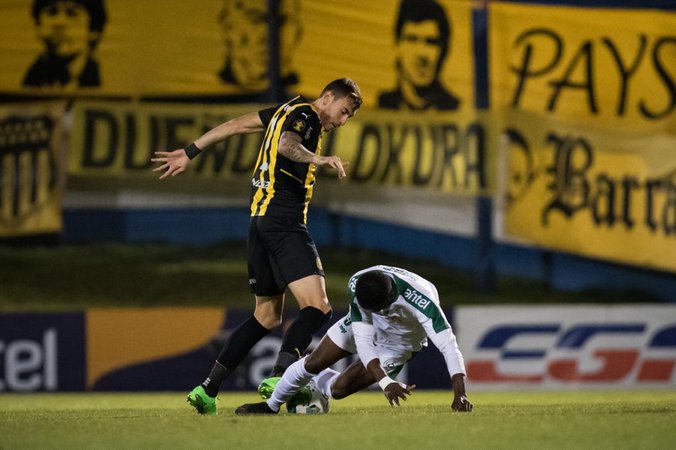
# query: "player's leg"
315,312
298,374
356,377
267,315
353,379
335,345
296,262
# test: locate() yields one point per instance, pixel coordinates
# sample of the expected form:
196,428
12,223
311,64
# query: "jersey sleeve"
267,113
447,344
363,340
425,301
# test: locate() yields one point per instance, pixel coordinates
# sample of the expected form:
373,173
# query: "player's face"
64,28
336,111
245,28
418,52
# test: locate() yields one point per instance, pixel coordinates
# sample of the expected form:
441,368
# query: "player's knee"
322,304
325,307
269,321
337,392
313,365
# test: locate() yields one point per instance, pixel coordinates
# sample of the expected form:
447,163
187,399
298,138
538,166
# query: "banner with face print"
123,47
405,54
413,54
31,182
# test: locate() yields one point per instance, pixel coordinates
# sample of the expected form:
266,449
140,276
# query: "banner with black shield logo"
31,181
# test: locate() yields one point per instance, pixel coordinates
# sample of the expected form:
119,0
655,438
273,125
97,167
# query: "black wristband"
191,151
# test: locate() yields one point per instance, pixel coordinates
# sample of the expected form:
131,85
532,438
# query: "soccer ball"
318,404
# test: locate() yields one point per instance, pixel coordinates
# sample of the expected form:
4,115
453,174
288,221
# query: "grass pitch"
617,420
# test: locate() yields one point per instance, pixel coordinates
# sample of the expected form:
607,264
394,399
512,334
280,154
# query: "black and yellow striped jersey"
281,187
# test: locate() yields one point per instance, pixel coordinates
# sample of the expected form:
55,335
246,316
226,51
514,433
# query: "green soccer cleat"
267,386
204,404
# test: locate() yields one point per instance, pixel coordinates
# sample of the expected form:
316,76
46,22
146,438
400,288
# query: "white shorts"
391,360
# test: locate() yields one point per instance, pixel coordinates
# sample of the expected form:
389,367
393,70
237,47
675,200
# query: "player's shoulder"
414,289
301,105
302,118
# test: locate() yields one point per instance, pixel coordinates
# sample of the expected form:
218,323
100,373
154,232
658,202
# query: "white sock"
325,380
293,379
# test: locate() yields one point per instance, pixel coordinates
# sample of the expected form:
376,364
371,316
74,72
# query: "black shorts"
279,251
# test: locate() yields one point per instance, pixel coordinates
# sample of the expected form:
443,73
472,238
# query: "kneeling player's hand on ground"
461,404
395,391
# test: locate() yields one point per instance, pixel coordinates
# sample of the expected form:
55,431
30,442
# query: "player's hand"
461,404
395,391
336,163
172,163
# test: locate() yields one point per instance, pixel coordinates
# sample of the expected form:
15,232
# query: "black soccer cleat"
254,408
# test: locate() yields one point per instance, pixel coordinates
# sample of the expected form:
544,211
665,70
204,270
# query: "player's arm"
291,147
175,162
447,344
460,401
363,337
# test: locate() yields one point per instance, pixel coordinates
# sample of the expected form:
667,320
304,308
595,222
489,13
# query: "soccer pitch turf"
617,420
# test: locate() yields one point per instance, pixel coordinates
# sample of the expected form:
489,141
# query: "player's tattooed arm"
290,146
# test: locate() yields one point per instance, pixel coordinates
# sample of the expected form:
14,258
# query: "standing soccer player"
280,250
392,313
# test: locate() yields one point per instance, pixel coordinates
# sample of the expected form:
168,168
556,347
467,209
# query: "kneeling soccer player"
392,313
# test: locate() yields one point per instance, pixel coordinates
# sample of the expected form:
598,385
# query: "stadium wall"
505,347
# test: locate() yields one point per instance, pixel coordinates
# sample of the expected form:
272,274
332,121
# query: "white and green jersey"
407,323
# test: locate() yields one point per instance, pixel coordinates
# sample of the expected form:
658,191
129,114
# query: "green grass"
65,277
613,420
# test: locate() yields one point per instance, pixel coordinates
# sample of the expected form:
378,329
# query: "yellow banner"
31,182
609,195
609,67
411,54
442,152
119,139
446,152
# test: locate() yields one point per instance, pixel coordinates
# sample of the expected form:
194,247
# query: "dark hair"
345,87
375,290
420,11
95,9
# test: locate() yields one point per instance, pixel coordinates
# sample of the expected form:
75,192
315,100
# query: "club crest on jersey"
264,166
299,125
